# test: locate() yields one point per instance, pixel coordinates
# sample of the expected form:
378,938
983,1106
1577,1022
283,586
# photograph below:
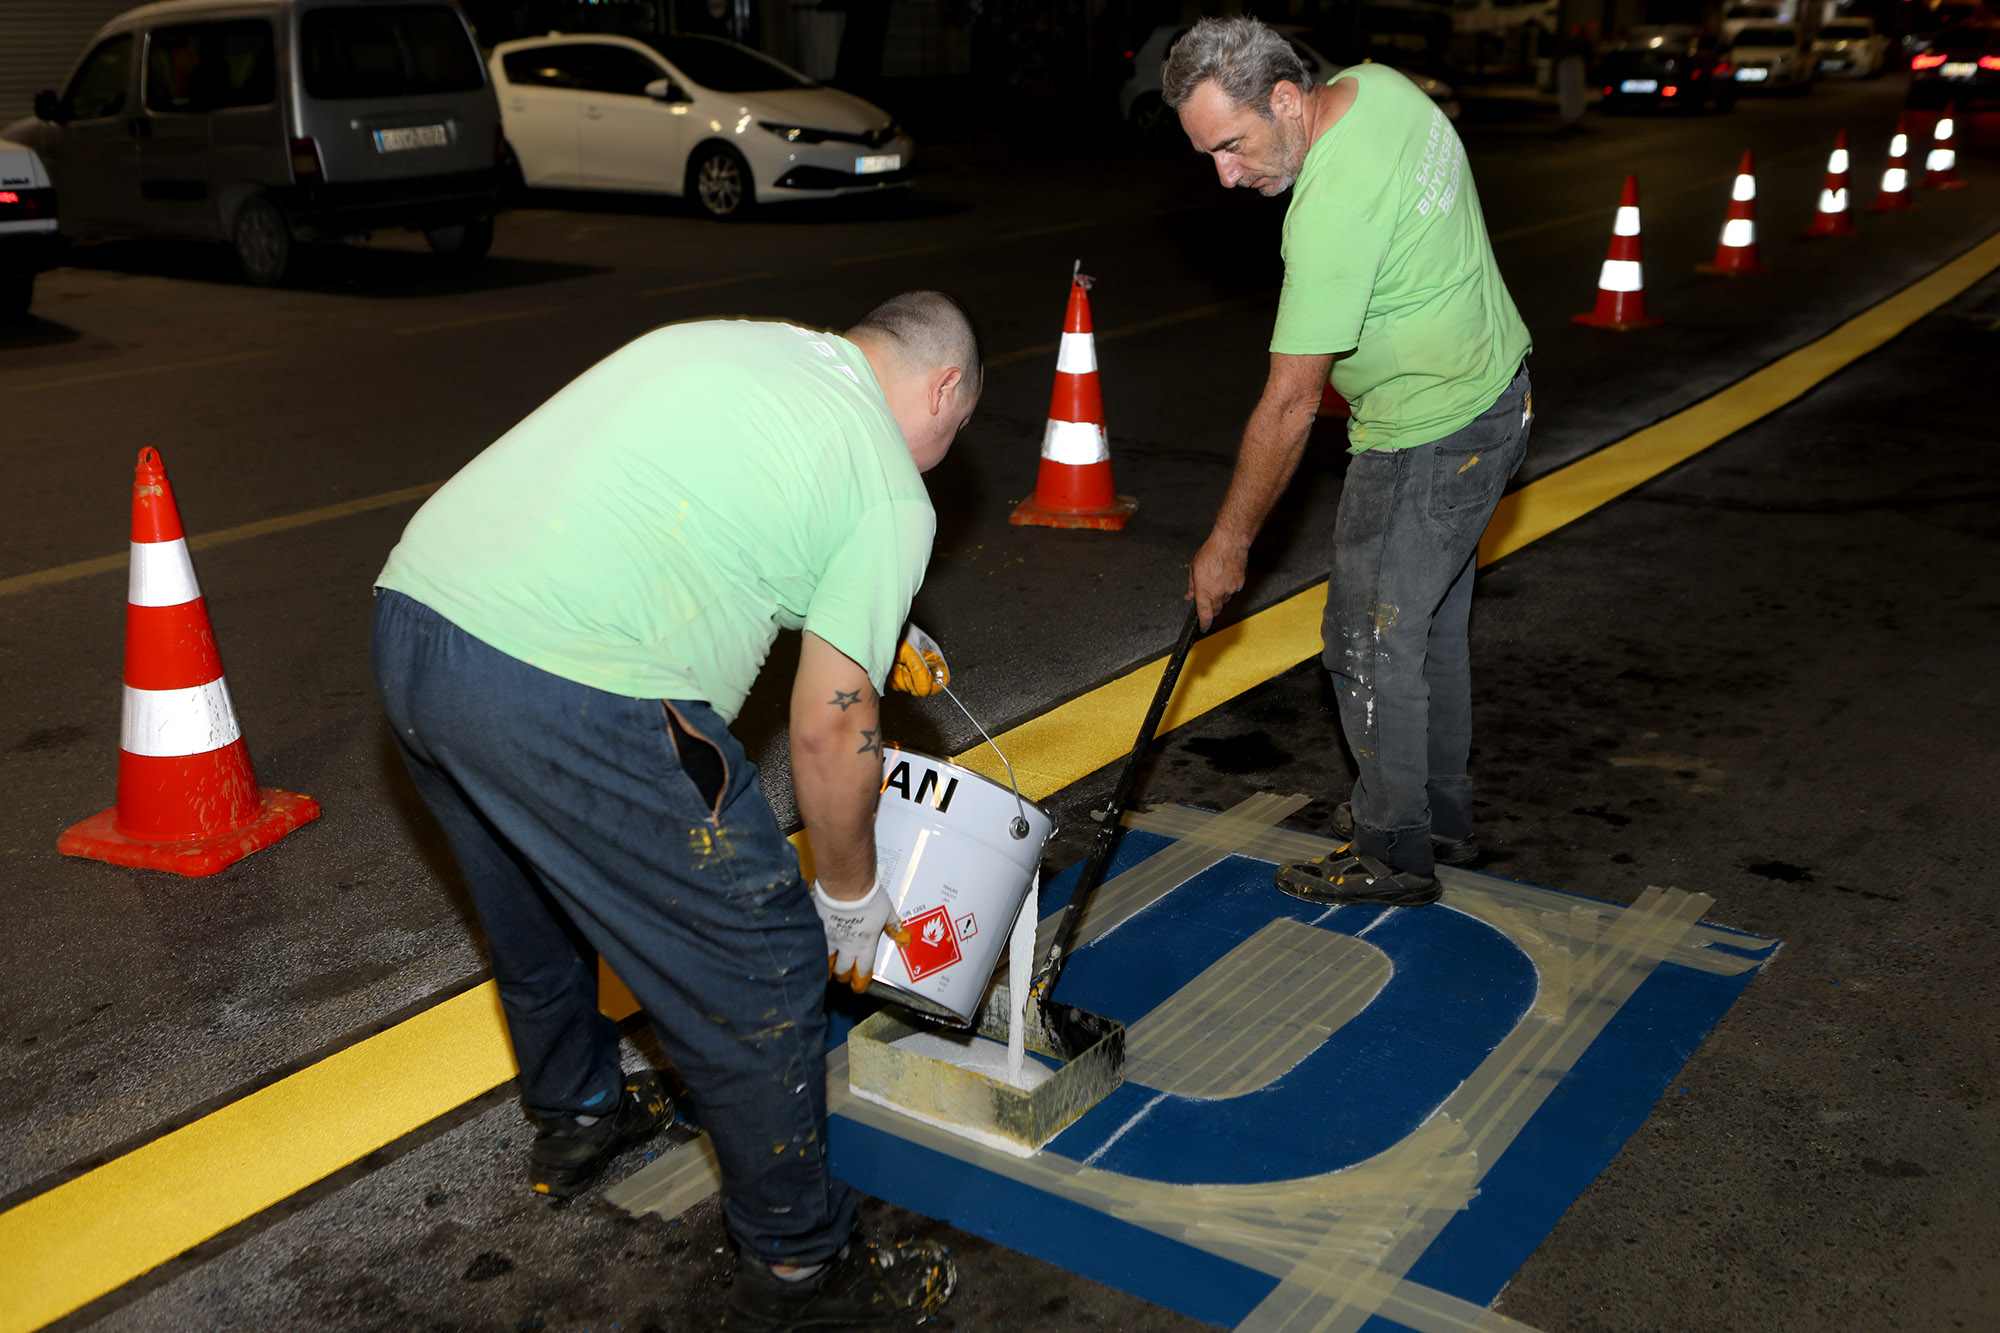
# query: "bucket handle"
1019,828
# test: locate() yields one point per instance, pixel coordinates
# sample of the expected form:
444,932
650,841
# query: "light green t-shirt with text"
1387,260
651,528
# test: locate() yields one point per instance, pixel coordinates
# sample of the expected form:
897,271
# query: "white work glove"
853,930
920,668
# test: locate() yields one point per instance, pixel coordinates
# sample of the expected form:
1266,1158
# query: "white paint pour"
978,1055
1020,962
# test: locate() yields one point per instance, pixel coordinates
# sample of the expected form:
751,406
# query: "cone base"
1898,204
1944,185
1597,321
1826,231
1110,518
1731,270
98,838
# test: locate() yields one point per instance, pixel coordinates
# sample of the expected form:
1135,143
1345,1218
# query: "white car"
1745,12
27,225
1772,57
1851,48
701,117
1141,105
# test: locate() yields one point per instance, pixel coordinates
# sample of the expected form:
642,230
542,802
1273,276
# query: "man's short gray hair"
1245,58
931,330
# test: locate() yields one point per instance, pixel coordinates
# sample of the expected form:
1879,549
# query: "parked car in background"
1960,65
1665,68
1850,48
1745,12
725,126
27,226
1773,58
1145,110
268,123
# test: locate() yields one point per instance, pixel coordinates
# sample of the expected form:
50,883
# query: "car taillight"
1607,90
1670,91
1989,62
305,162
1723,67
1928,60
19,205
9,197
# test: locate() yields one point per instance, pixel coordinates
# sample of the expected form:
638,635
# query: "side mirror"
663,90
47,106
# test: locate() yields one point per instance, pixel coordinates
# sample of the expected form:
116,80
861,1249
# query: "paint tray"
1089,1050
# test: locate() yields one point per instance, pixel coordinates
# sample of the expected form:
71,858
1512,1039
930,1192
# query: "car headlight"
793,133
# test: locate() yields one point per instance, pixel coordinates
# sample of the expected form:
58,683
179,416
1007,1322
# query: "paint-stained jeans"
581,832
1397,609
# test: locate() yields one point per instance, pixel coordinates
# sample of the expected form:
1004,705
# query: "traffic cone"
1621,288
187,798
1074,488
1941,165
1833,218
1736,252
1895,192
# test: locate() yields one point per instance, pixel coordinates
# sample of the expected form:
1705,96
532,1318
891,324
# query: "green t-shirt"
1386,257
649,529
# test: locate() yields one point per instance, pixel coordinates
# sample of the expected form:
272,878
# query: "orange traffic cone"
1895,192
1074,488
187,799
1621,287
1833,218
1941,166
1736,252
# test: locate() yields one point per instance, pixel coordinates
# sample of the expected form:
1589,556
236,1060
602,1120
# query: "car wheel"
719,182
17,292
264,242
465,242
1151,120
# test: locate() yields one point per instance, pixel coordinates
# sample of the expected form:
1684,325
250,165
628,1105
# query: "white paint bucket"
947,852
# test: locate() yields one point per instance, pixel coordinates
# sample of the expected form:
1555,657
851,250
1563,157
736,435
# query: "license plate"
865,166
1639,86
1752,75
1960,69
412,136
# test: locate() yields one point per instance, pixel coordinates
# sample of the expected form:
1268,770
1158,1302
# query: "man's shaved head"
928,331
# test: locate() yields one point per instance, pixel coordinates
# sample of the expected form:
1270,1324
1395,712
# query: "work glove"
920,668
852,932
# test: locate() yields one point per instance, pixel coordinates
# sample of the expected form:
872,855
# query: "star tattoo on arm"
870,744
845,699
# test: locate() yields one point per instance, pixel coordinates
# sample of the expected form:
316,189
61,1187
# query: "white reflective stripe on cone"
161,574
1739,232
1619,275
1899,145
1837,164
1627,223
1895,180
1833,201
1078,355
169,723
1941,159
1744,190
1074,442
1943,131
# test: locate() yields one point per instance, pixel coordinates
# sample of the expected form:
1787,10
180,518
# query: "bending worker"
1392,294
562,638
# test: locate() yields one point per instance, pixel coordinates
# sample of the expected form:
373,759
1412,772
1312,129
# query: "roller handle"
1107,832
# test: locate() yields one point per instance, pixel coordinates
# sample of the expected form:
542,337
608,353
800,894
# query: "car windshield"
388,51
1767,37
725,67
1845,32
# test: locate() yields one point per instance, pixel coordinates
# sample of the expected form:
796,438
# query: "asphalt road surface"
1766,676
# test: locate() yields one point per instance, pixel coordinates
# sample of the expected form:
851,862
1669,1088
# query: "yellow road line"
129,372
471,320
243,532
703,285
888,254
91,1235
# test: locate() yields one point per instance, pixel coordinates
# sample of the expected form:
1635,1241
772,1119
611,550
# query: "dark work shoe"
1448,851
1341,877
567,1156
863,1287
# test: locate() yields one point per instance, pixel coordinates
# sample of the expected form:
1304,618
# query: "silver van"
272,122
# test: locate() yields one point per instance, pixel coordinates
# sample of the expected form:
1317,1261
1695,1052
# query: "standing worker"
1391,292
561,640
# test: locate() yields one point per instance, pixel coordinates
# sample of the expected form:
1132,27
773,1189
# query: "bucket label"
928,792
933,945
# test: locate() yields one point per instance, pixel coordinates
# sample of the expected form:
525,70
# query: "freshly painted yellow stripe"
25,385
78,1241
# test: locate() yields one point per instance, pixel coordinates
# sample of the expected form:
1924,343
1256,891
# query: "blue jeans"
1397,607
582,832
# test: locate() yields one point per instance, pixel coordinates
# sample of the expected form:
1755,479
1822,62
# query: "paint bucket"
956,853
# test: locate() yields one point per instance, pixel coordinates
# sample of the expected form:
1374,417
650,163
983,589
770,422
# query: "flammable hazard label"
933,944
